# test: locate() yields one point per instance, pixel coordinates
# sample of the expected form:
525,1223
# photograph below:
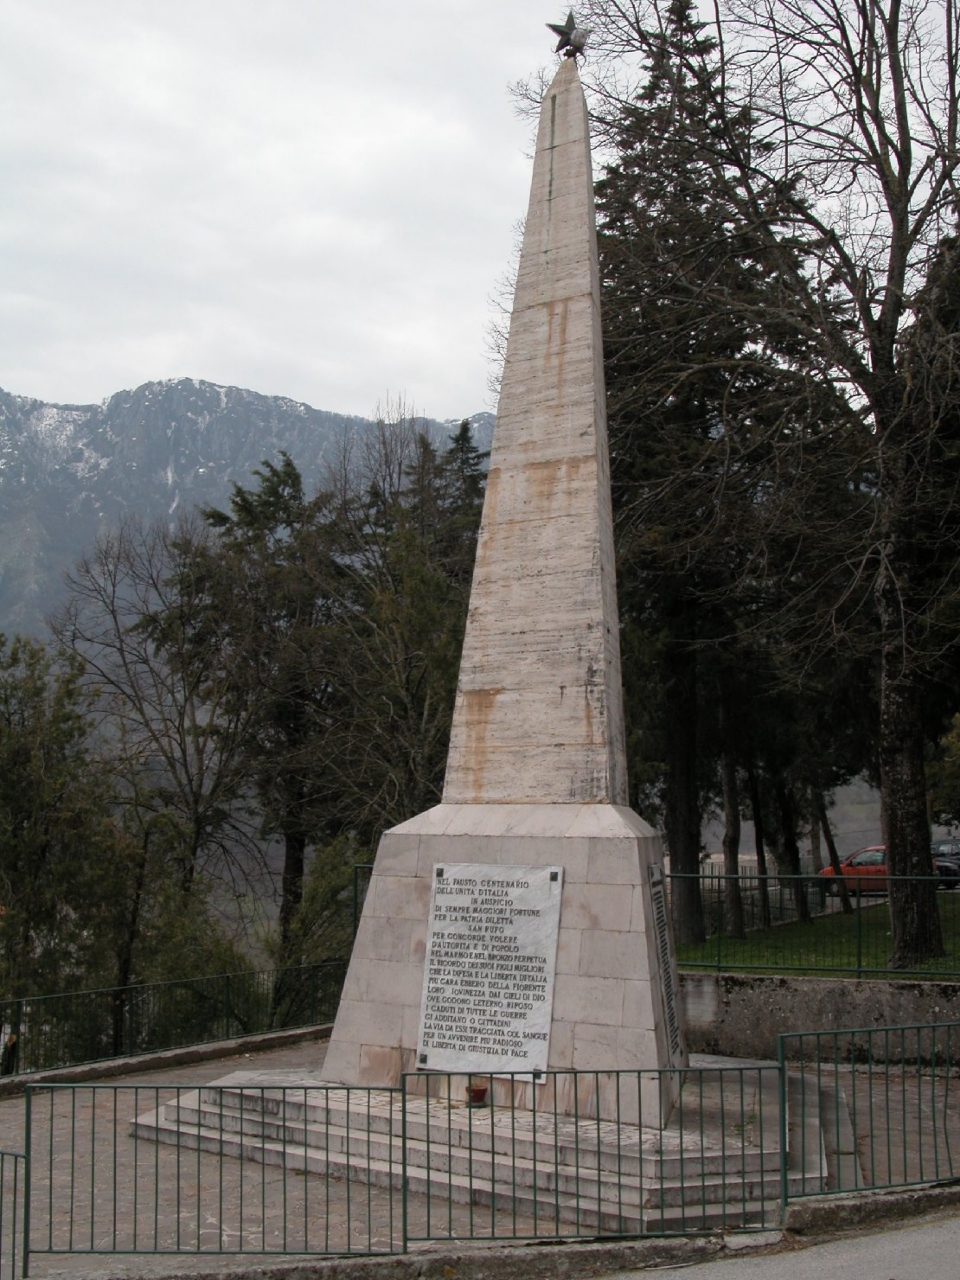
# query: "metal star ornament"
572,37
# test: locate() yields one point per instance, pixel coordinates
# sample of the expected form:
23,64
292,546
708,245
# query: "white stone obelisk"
539,713
536,773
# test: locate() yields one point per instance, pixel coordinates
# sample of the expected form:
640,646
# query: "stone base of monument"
638,1099
601,971
717,1164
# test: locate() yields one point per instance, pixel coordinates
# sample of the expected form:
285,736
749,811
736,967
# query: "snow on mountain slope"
71,472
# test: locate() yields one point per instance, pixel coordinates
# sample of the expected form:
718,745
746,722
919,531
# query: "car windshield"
869,858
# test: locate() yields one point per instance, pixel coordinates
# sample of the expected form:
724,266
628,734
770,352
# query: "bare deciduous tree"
134,614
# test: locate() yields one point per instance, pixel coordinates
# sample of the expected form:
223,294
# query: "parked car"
946,858
863,872
866,871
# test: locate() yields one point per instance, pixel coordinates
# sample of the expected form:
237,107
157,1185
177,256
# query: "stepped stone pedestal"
716,1165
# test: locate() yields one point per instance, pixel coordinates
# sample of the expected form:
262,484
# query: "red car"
866,871
863,872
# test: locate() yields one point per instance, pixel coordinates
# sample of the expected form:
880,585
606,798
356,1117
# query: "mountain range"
69,473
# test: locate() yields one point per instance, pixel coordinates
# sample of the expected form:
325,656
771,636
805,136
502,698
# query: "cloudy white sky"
306,198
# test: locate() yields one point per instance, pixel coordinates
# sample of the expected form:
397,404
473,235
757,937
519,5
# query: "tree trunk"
756,810
816,852
832,854
791,850
914,918
294,854
733,897
731,849
291,881
121,997
682,794
901,605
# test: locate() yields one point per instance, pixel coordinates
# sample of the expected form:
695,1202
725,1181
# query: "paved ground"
85,1177
926,1250
101,1195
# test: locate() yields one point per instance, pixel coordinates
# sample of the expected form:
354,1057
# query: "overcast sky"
306,198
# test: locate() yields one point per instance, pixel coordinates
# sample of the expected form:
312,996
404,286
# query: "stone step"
806,1160
546,1167
544,1137
468,1134
662,1208
549,1171
387,1173
721,1170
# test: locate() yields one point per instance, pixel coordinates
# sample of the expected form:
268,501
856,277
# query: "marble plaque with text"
489,969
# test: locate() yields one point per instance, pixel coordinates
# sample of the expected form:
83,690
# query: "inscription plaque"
489,969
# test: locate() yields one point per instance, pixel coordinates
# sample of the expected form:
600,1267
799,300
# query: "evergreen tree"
846,177
272,614
54,820
408,527
708,390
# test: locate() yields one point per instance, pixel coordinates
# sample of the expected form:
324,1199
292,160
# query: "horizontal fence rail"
239,1167
86,1026
798,924
13,1187
887,1100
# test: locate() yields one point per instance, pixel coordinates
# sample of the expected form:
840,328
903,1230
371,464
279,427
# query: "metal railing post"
27,1166
782,1120
859,934
403,1163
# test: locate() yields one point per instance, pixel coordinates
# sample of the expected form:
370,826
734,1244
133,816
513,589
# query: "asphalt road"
928,1249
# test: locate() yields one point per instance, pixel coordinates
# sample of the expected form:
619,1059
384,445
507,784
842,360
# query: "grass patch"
831,943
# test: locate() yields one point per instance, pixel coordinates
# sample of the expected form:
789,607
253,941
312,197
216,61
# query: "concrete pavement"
928,1249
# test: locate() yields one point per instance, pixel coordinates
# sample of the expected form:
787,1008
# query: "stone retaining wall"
742,1014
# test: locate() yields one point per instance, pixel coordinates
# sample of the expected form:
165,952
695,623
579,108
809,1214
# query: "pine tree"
709,390
271,602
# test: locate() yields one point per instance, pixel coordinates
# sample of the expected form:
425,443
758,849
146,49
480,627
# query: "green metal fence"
13,1183
874,1107
133,1169
127,1169
796,924
792,924
86,1026
243,1166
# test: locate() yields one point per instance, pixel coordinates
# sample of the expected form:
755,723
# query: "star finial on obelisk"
572,38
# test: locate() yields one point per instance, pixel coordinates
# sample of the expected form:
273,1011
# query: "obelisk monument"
521,924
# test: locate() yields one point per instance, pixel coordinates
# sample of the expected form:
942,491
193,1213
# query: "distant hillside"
70,472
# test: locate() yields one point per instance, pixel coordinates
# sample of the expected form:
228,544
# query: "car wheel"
834,890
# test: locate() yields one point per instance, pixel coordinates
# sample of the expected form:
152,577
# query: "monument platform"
716,1164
